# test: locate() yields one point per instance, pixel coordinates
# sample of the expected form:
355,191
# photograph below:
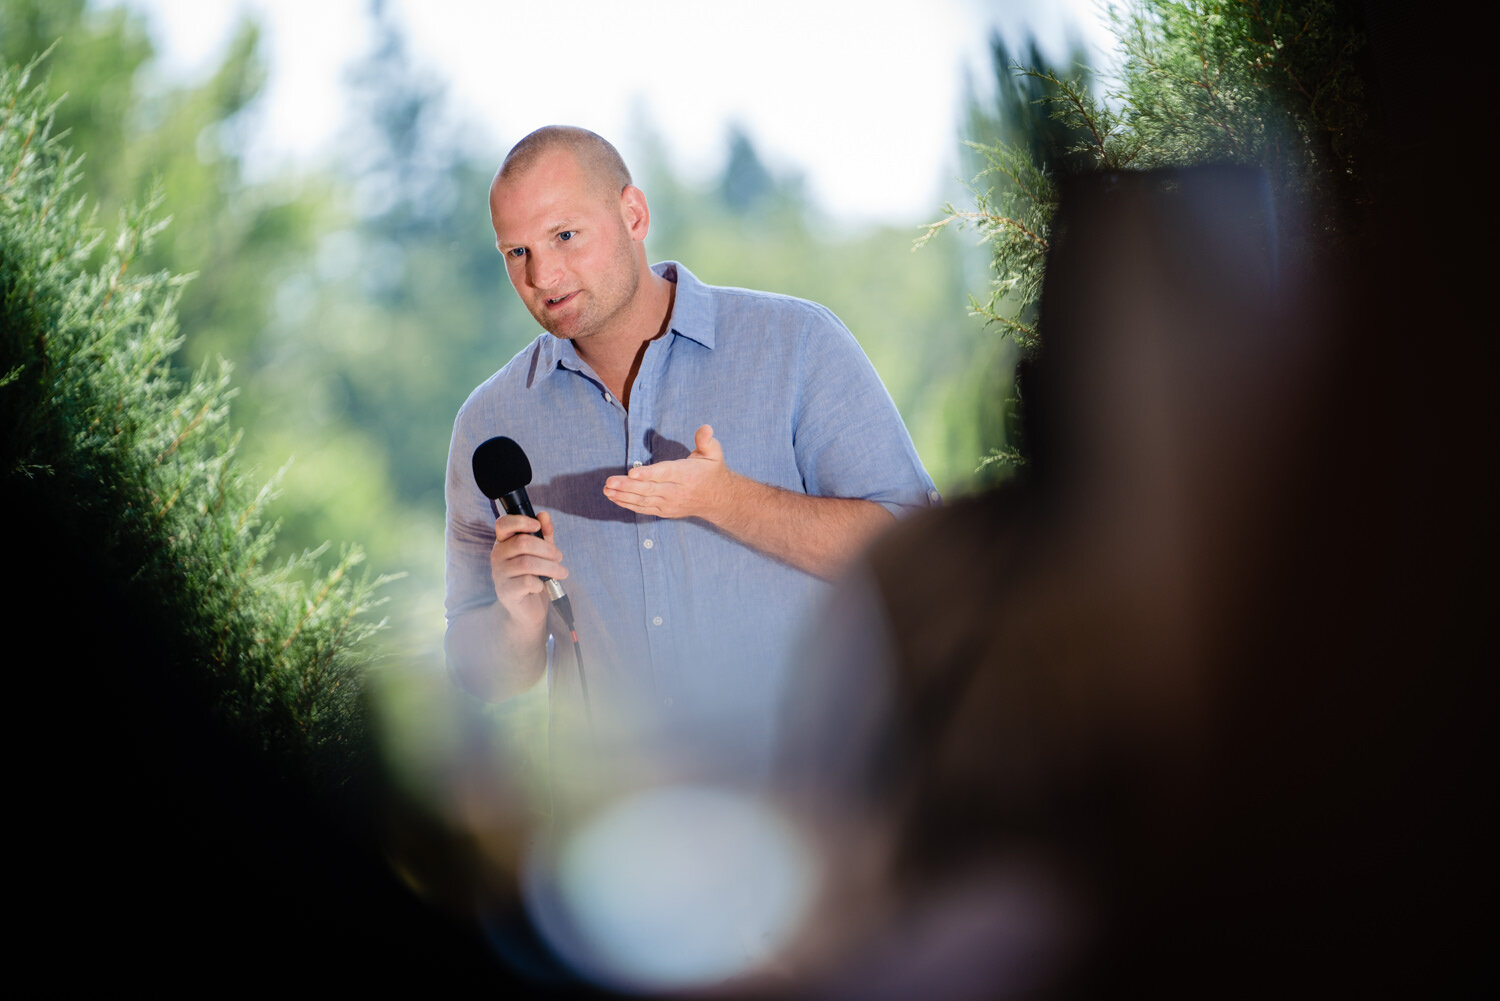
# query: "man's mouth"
559,300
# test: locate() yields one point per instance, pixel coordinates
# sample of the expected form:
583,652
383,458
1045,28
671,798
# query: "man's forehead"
553,168
559,178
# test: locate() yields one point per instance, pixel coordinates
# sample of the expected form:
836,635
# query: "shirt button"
656,621
635,464
648,543
934,496
609,398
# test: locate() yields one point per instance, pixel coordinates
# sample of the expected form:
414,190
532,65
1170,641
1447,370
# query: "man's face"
567,248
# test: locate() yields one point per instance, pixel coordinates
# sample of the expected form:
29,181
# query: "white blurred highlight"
673,888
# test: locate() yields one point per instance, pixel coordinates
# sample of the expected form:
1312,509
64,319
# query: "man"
704,457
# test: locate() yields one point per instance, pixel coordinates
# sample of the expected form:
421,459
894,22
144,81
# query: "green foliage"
1015,150
140,465
1271,84
137,134
371,348
1013,215
1018,148
1276,85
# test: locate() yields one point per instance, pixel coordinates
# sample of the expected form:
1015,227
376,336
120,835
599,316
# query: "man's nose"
543,270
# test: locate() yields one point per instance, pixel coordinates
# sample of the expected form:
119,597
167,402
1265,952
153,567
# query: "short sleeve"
849,438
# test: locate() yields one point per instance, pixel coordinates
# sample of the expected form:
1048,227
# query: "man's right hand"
518,561
500,650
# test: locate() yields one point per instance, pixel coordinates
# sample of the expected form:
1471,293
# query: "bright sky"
861,96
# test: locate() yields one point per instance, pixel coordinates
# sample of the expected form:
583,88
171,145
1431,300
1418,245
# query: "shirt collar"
693,316
693,312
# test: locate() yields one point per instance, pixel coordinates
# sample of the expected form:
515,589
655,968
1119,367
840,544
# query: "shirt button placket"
653,573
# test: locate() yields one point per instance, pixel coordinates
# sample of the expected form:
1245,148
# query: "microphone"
502,471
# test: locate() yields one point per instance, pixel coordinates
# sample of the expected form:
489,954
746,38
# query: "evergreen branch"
1269,84
87,384
1072,96
164,507
310,609
21,156
1014,326
191,425
1018,181
931,229
125,260
1008,456
1001,221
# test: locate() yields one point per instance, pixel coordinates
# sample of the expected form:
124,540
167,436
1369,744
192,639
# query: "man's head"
592,152
570,225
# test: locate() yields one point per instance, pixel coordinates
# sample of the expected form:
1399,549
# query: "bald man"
703,459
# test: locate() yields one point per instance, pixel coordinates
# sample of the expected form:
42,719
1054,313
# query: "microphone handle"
516,502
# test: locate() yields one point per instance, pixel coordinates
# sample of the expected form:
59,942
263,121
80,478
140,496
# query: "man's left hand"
698,486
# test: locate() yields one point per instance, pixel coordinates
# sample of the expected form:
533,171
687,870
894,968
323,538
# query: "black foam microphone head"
501,467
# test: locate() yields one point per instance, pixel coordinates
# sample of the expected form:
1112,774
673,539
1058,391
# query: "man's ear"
635,212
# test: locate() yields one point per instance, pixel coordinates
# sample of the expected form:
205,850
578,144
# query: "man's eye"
565,235
516,252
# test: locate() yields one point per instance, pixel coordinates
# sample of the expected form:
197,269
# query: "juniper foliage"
1270,83
1276,84
111,458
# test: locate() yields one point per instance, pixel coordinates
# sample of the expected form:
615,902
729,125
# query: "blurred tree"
259,256
135,131
746,183
1275,86
1279,86
126,479
403,310
1017,113
1016,118
95,57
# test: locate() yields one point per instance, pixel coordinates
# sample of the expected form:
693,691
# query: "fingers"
511,524
670,471
707,445
519,560
644,484
676,488
637,497
657,472
635,489
518,553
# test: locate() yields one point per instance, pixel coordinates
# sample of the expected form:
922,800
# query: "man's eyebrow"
553,230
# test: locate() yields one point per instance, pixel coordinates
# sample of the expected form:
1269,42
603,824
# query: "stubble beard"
601,307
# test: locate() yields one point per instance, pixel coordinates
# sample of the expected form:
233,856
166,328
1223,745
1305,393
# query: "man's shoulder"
516,375
735,297
733,309
524,368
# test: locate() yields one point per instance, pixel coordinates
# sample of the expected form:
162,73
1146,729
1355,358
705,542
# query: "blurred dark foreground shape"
1186,710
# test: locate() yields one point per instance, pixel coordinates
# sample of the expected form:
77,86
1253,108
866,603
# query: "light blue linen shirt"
684,631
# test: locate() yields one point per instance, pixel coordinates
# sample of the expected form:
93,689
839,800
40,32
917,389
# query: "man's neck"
618,359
